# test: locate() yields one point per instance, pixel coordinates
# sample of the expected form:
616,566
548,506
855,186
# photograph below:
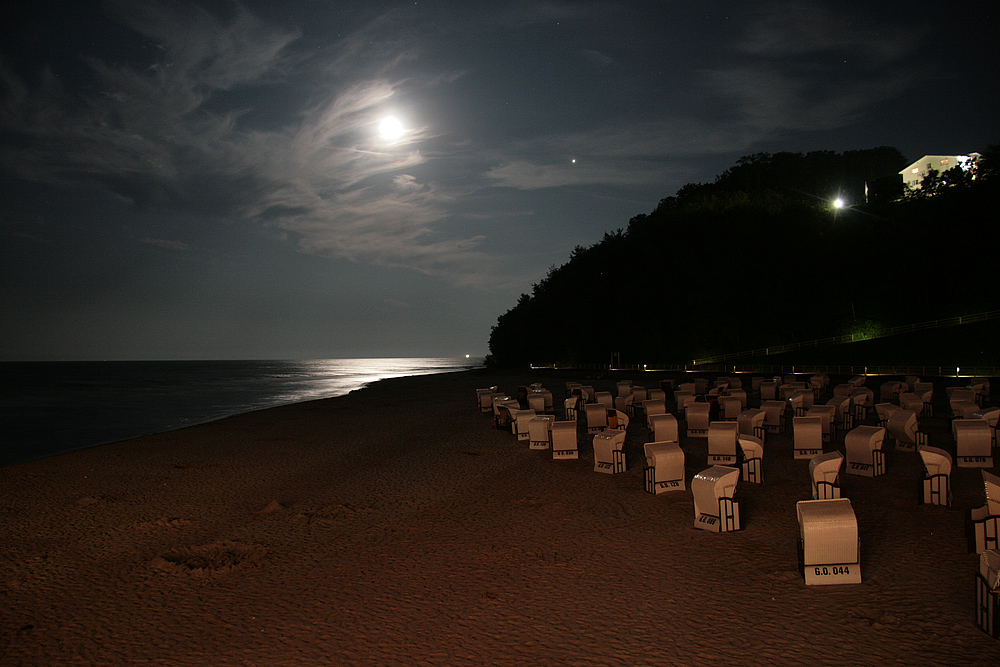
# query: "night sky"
212,180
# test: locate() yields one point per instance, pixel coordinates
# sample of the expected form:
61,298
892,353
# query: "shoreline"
394,525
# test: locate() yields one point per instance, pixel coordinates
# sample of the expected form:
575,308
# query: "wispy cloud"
176,133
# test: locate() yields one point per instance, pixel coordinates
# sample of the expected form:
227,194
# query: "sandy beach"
396,526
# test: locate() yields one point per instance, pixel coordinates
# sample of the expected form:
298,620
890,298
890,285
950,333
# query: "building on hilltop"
915,173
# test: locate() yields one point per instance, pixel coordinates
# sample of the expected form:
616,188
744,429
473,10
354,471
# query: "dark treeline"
761,257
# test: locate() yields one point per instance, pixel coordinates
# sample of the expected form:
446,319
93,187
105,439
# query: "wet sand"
395,526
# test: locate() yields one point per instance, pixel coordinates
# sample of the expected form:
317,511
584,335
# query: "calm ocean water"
47,408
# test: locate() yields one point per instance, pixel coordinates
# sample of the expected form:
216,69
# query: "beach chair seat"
973,443
984,522
540,432
829,547
564,441
903,428
697,417
824,475
624,403
597,417
807,437
827,415
751,422
937,476
988,593
863,445
753,458
521,420
715,507
774,415
663,427
609,455
723,443
664,467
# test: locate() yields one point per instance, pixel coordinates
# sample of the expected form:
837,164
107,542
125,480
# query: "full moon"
390,128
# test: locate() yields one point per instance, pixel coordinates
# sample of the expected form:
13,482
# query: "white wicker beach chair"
664,467
715,507
807,437
824,475
564,441
697,417
609,456
937,476
973,443
829,541
863,445
723,443
663,427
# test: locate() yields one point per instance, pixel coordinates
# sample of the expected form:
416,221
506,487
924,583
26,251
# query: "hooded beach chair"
937,476
664,467
768,390
521,420
883,411
828,542
597,417
609,456
824,475
888,392
715,508
842,407
723,443
697,417
991,415
604,398
988,593
663,427
863,445
652,407
774,415
910,401
902,427
751,422
753,458
730,408
973,443
807,437
540,432
684,399
564,441
827,415
984,522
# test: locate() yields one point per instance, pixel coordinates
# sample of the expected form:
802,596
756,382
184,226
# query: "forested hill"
762,257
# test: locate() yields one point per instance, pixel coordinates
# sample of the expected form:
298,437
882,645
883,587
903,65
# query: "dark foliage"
760,257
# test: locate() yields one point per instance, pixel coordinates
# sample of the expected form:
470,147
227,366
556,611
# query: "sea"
48,408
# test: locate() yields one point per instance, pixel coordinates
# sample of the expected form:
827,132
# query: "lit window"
944,161
916,170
